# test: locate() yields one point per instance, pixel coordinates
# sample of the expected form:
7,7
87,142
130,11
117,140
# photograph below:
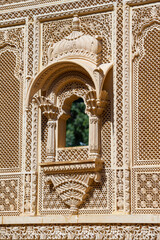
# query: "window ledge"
72,166
78,219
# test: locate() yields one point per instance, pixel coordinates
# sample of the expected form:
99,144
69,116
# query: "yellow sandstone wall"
124,203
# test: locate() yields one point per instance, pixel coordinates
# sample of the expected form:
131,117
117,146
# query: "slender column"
51,141
51,112
94,137
95,108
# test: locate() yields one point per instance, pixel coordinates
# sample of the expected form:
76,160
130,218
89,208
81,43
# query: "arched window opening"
77,126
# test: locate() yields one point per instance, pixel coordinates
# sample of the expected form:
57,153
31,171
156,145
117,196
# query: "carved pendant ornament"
74,71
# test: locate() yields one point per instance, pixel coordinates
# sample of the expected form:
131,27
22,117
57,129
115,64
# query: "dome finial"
76,23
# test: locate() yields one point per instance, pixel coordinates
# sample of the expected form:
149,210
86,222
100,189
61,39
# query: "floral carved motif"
67,54
82,231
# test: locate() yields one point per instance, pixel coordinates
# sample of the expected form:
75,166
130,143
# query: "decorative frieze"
81,231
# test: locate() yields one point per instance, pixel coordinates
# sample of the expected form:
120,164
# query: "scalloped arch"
46,77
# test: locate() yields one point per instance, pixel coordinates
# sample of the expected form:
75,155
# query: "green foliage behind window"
77,126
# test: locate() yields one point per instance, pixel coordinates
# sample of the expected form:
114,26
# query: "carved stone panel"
145,84
10,195
145,112
11,98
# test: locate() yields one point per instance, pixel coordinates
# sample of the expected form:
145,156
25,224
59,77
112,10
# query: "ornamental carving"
74,71
83,231
77,45
48,60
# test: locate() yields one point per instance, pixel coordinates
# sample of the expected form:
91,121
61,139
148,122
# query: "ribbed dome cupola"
77,46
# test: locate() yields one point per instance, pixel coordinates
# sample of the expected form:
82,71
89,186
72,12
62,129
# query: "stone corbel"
51,112
99,76
95,107
73,188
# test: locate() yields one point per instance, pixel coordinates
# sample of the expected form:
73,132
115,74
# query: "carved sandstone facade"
51,54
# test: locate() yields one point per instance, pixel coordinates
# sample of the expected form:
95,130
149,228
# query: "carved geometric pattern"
13,36
99,200
28,139
99,24
9,113
141,17
118,107
49,202
106,136
146,191
143,14
30,2
44,135
119,85
12,1
72,188
72,154
10,195
30,49
145,49
82,231
146,100
73,88
34,136
27,193
100,197
23,3
127,123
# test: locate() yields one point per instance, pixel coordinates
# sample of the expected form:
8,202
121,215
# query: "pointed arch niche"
75,71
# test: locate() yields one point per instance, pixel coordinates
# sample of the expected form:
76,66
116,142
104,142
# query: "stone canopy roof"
77,45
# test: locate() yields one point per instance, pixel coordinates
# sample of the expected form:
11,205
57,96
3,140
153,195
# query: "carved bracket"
73,187
47,107
96,105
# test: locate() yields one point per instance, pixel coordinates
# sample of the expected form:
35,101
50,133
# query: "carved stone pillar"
51,141
95,107
51,112
94,137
